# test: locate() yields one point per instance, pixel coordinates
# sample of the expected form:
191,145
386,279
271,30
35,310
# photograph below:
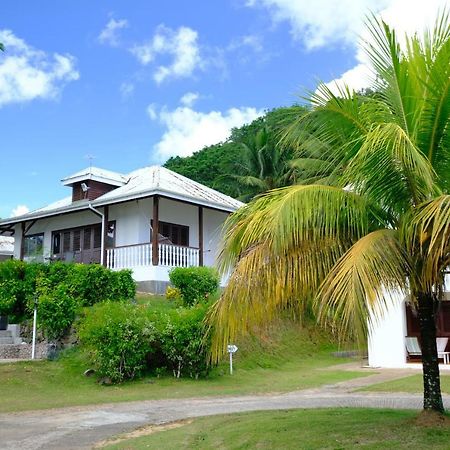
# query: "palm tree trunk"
432,398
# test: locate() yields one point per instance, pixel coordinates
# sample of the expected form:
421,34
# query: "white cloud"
407,17
188,130
20,210
181,44
27,73
357,78
323,22
189,98
329,23
110,34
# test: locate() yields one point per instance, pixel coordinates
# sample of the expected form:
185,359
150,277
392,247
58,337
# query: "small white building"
149,220
387,336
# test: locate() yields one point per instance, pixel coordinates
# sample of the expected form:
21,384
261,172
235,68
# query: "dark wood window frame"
168,230
79,228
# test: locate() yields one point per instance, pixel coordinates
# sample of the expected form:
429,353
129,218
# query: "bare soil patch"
146,430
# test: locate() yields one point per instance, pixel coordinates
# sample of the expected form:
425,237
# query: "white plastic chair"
441,344
412,346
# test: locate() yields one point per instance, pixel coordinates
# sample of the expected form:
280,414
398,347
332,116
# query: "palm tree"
382,226
264,165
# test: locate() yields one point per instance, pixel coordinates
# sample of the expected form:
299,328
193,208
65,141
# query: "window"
82,239
57,243
97,237
171,233
111,235
33,247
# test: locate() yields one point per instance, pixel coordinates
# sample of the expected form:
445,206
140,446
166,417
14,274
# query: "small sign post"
33,345
231,349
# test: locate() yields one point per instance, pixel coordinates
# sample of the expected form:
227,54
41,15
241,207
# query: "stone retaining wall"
23,351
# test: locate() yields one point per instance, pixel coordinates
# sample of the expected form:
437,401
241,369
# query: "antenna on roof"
90,158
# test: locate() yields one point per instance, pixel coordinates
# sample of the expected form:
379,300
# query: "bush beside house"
123,340
195,284
61,290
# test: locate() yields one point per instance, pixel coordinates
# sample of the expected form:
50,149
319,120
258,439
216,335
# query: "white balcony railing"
140,255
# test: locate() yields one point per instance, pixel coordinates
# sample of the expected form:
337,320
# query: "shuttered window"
66,241
87,238
82,238
97,237
172,233
77,240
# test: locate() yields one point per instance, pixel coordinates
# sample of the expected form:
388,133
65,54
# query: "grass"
157,302
411,384
299,429
286,357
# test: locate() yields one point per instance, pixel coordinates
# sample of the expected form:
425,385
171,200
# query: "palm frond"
393,78
263,283
359,287
426,232
289,217
429,59
391,169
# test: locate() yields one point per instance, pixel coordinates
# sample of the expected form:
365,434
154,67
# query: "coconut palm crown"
382,228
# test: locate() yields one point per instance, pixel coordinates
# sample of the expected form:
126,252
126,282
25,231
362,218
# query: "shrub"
85,284
8,297
92,283
182,342
17,286
195,283
124,339
118,337
173,293
56,311
122,285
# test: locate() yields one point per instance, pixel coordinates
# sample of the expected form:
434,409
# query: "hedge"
125,339
194,283
61,289
118,339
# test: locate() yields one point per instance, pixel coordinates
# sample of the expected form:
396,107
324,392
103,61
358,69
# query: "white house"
109,218
387,336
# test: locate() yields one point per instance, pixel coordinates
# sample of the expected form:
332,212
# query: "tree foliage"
378,223
248,163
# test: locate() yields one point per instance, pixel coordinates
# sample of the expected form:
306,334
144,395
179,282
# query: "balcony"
141,255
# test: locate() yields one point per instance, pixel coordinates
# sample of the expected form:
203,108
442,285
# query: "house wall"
386,343
133,227
212,227
132,221
50,224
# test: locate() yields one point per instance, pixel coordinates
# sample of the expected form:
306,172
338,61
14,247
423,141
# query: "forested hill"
239,167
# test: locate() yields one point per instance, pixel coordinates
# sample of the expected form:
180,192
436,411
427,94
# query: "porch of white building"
141,255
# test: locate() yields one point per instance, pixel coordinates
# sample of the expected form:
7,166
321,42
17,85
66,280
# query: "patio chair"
441,344
412,346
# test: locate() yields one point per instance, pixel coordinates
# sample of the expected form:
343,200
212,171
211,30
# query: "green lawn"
299,429
412,383
285,358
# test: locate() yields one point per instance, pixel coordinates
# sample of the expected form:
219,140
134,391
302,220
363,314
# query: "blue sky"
133,83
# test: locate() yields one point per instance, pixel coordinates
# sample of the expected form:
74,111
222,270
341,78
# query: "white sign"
232,348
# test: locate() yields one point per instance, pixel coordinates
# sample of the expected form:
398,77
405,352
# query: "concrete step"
6,340
5,333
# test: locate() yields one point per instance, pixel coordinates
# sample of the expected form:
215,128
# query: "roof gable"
159,180
96,174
